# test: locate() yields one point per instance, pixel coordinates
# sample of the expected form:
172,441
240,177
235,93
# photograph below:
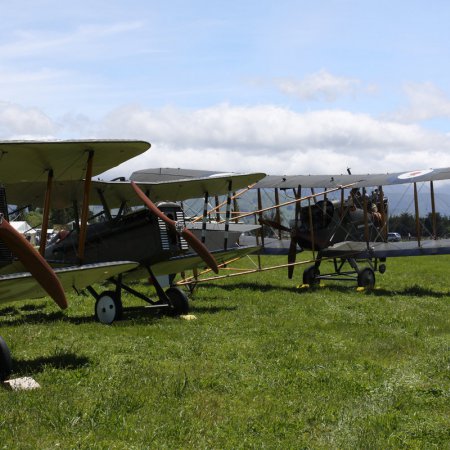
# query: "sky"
286,87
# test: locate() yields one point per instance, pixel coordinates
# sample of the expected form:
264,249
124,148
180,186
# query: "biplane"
340,218
156,237
351,228
24,273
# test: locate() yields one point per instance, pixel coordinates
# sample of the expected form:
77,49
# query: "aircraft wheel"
310,276
179,301
5,361
366,278
108,308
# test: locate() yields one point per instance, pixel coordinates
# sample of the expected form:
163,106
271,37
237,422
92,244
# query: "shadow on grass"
34,318
33,307
415,290
10,310
412,291
66,361
263,287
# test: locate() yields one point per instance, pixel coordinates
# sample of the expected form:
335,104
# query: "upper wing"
170,174
368,180
175,190
22,285
116,192
30,161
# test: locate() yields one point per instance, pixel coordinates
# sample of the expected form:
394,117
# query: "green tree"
34,218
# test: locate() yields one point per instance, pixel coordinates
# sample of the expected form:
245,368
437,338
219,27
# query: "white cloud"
275,140
261,138
17,122
321,85
426,101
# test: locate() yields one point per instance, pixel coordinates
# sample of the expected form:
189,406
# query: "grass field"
265,365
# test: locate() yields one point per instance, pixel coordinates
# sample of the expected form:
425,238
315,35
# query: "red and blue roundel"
414,174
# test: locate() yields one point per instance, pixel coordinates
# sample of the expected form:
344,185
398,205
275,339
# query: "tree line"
405,224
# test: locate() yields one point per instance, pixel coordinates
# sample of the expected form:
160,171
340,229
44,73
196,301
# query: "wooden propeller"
292,256
33,262
179,228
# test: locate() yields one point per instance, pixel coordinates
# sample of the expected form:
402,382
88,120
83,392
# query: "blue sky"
281,87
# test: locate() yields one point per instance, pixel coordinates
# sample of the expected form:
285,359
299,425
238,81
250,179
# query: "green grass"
265,365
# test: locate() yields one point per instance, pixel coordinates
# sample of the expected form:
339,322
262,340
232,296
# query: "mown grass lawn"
265,365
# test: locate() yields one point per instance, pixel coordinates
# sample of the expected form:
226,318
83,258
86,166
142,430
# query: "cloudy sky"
283,87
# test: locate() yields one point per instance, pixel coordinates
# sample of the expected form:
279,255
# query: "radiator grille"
165,240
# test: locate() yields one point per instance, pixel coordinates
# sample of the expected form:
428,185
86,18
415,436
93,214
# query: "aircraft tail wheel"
366,278
310,276
179,301
108,308
5,361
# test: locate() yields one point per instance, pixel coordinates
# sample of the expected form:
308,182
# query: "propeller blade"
201,249
193,241
273,224
33,262
292,256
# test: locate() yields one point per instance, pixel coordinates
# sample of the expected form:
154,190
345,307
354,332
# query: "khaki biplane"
25,166
142,222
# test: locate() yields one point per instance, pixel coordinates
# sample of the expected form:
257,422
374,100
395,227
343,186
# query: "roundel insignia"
414,174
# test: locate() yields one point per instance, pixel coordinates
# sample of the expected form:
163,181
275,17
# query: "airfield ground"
265,365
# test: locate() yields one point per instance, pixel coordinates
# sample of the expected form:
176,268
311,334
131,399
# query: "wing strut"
292,255
384,213
85,207
46,213
227,216
216,201
366,217
416,207
205,214
277,212
311,229
106,209
433,210
260,215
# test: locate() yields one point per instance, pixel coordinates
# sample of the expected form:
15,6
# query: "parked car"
394,237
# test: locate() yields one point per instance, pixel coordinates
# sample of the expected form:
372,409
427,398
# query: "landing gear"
5,361
366,278
179,304
108,307
362,271
310,276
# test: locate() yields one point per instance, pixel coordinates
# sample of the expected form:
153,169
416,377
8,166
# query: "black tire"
366,278
5,361
179,301
108,308
310,276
